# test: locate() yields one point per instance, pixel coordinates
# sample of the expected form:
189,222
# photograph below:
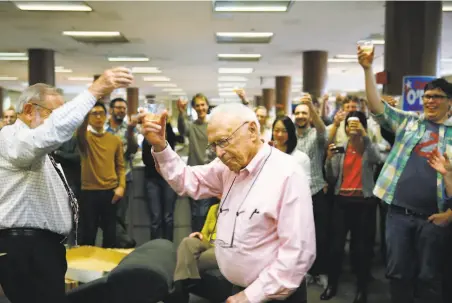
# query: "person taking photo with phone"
350,169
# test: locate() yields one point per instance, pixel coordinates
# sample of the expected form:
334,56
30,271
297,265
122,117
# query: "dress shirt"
304,162
265,228
32,194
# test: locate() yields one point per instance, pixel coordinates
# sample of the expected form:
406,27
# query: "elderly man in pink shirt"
265,229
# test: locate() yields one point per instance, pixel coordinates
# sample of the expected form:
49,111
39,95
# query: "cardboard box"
88,263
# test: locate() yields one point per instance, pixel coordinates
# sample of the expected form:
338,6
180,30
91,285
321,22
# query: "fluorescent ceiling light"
228,70
226,89
156,79
128,59
446,60
6,78
165,85
13,58
69,6
225,94
231,84
178,94
244,35
61,69
91,34
347,56
80,78
145,70
378,41
447,7
239,56
232,79
172,90
13,54
339,60
251,6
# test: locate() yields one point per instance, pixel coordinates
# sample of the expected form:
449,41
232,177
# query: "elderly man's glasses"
224,142
43,107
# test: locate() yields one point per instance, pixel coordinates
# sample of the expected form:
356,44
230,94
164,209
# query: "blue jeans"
415,256
161,199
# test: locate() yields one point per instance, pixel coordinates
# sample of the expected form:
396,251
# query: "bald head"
9,116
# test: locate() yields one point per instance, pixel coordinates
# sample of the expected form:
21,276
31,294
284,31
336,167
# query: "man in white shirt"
35,206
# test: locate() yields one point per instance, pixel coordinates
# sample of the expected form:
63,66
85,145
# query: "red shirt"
351,173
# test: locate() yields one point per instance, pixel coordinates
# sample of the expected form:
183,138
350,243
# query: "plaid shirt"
409,128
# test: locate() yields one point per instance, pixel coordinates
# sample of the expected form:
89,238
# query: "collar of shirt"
109,128
304,132
255,164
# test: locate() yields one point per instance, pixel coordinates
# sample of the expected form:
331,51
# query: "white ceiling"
179,39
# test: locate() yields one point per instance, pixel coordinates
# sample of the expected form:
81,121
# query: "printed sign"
413,90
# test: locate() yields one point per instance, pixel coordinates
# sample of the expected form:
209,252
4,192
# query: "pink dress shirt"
269,224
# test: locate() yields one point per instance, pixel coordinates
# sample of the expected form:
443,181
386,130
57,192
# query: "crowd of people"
272,200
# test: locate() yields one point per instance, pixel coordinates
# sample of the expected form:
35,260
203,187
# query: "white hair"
35,94
235,111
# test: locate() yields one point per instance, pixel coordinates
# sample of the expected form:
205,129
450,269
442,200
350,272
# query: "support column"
411,55
2,98
41,66
258,101
315,72
268,97
132,100
282,93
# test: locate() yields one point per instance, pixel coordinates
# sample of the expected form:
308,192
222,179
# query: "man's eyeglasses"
120,107
224,142
43,107
434,97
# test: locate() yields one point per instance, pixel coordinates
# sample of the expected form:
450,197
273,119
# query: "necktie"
72,199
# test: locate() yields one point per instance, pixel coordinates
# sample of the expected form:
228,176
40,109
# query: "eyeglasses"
434,97
97,114
120,107
224,142
43,107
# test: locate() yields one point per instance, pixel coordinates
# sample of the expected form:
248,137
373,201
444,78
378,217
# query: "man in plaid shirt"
417,215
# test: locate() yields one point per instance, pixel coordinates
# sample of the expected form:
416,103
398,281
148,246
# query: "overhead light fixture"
128,59
14,58
446,60
378,41
252,6
244,37
231,85
145,70
346,56
447,7
156,79
80,78
226,89
241,70
7,78
227,94
91,34
239,57
232,79
172,90
67,6
61,69
178,94
342,60
165,85
13,54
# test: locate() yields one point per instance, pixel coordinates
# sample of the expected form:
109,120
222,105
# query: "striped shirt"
409,129
32,194
313,144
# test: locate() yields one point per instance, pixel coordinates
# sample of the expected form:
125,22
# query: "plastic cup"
154,110
366,45
353,124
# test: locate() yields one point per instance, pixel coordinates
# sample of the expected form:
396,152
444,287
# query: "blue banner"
413,90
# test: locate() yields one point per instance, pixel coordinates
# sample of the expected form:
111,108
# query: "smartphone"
339,150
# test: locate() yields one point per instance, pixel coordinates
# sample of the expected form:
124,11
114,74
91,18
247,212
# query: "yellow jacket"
209,230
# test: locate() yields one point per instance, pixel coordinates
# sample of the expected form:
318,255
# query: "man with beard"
196,132
126,131
312,141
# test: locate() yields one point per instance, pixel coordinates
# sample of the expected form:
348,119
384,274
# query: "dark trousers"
358,216
70,241
299,296
415,258
33,268
161,199
322,210
199,210
97,210
123,239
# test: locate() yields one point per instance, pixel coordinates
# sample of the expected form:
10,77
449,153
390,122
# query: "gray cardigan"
334,168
